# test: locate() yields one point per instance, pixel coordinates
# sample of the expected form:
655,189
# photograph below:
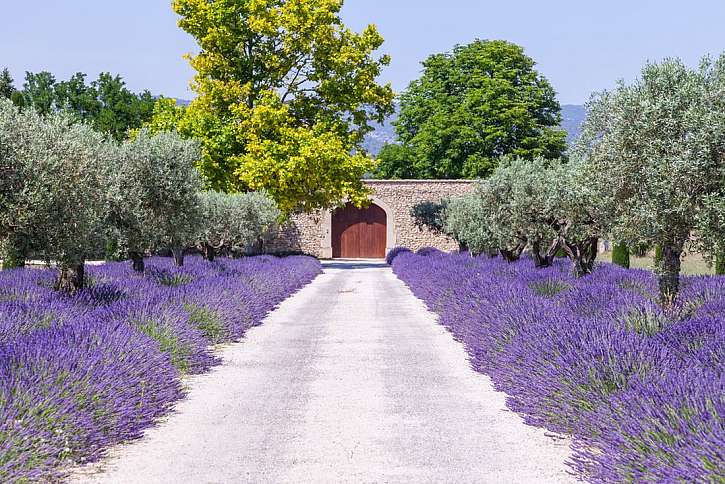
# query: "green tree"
286,94
236,222
75,96
120,109
395,161
711,231
155,199
52,189
539,204
471,107
6,84
655,153
39,91
620,255
105,103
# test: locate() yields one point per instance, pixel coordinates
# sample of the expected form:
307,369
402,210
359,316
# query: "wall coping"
408,181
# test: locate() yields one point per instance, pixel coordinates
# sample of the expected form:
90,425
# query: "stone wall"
310,233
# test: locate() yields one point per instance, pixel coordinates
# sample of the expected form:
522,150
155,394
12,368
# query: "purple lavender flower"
639,388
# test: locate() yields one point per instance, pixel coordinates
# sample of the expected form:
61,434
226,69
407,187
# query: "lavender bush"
641,389
81,372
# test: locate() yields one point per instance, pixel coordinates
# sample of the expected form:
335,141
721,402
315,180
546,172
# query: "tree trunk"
137,261
14,256
582,254
512,255
178,256
71,277
669,277
545,259
208,252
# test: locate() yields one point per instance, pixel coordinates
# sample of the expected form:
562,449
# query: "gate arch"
389,229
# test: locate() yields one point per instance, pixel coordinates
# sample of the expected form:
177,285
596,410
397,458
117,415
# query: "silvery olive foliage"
654,153
236,222
53,189
711,228
543,205
155,195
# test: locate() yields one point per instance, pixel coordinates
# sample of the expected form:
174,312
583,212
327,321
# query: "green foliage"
720,264
155,194
53,186
549,287
620,255
153,197
655,157
12,253
658,255
6,84
429,215
540,204
395,161
471,107
208,322
710,226
237,222
105,103
286,94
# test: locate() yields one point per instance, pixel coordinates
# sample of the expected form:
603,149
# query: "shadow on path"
354,264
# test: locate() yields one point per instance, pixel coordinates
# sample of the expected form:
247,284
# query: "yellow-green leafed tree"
286,94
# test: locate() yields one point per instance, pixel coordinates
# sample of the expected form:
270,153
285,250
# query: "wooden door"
359,233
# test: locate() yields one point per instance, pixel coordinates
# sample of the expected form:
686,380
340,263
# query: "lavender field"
641,389
80,373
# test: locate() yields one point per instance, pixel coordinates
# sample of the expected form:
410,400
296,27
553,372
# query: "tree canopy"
286,93
236,222
106,103
52,188
471,107
655,151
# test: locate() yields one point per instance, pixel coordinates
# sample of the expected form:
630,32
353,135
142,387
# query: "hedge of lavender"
639,388
80,373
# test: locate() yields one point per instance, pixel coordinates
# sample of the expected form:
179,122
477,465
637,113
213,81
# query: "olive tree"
655,152
155,202
509,211
540,205
711,231
52,189
235,222
464,219
15,218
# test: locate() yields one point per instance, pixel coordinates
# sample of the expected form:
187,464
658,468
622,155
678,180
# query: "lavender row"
640,389
80,373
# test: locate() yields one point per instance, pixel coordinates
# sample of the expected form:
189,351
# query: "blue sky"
581,46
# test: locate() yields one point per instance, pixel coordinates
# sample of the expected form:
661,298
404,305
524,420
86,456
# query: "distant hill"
572,117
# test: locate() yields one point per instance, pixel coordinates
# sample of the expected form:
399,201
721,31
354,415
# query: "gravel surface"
350,380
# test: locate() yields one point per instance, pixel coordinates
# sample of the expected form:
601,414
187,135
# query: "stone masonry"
310,233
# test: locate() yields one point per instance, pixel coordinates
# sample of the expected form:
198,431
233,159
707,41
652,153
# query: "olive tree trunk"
137,261
512,255
669,273
544,259
178,254
583,254
71,277
208,252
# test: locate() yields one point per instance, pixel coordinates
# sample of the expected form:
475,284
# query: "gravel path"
350,380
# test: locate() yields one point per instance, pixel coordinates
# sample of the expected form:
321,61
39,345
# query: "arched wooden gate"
359,233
